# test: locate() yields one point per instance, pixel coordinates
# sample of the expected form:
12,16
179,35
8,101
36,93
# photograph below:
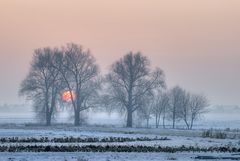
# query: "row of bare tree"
130,85
175,105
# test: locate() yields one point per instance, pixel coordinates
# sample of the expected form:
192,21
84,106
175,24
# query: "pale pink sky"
196,42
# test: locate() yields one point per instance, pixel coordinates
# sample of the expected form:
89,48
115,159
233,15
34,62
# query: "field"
109,156
68,143
104,138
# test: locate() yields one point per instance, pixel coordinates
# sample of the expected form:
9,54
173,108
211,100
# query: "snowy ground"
105,156
177,139
100,126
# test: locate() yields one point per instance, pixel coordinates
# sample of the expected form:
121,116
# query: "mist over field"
218,116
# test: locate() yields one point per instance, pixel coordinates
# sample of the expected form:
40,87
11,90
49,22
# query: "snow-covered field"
176,138
108,156
104,126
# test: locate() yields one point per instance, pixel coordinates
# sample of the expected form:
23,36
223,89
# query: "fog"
218,116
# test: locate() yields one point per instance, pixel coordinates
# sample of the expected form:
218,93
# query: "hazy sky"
196,42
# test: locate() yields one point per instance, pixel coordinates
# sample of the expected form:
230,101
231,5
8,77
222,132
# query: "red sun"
66,96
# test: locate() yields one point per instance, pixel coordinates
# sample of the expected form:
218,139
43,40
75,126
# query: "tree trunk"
129,107
188,127
49,111
156,121
164,121
158,116
173,123
78,107
147,122
174,117
48,116
48,119
46,105
191,124
129,118
77,117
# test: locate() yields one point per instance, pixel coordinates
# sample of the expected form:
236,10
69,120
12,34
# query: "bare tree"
190,106
130,80
160,107
175,104
42,84
184,108
145,111
80,74
198,104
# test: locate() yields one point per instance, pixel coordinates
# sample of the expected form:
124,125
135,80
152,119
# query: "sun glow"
67,95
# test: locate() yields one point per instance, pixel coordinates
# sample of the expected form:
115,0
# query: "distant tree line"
131,87
176,104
